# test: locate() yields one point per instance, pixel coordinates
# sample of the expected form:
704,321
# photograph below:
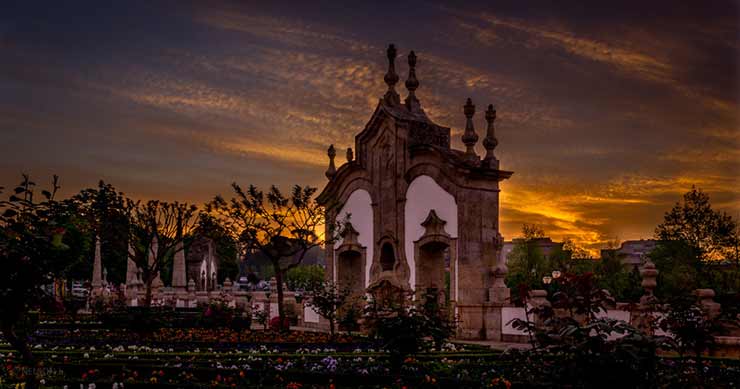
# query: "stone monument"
421,212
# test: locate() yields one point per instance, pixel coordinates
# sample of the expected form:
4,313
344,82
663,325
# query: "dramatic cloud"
607,115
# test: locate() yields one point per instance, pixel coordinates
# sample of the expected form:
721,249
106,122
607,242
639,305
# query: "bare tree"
161,222
282,228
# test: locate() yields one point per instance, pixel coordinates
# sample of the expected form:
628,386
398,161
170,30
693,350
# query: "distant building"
545,245
632,252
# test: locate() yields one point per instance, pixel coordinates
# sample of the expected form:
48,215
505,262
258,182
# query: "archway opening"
387,257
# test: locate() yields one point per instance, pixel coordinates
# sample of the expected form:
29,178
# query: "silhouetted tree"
32,252
708,233
168,223
104,208
281,228
691,236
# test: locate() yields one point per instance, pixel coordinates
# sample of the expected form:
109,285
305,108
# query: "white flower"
86,355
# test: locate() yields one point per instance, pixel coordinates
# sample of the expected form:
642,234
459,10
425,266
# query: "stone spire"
179,281
350,154
157,282
490,142
469,138
130,267
97,277
391,78
412,103
332,169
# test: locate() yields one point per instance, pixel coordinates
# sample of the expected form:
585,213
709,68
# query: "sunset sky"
607,115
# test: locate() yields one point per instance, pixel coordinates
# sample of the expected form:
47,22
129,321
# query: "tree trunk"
331,327
148,295
281,308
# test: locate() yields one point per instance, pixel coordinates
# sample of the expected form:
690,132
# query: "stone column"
179,282
97,276
537,301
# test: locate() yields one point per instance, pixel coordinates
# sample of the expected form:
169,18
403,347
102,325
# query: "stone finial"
332,170
412,103
469,137
705,300
649,274
391,78
433,224
349,234
350,154
191,285
490,142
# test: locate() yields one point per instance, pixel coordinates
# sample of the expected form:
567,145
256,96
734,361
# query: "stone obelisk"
153,251
179,283
97,277
130,267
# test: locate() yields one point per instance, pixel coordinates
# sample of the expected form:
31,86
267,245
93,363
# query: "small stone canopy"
399,144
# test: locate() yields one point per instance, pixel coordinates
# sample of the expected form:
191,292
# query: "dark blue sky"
607,114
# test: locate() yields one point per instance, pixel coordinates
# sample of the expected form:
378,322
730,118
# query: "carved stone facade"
421,212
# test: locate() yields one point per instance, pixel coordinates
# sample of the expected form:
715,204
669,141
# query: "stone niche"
423,216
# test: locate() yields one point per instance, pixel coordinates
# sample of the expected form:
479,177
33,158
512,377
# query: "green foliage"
573,346
707,234
305,277
326,299
32,253
401,327
104,210
622,282
693,237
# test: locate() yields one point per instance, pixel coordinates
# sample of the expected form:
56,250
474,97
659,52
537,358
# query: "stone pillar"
643,317
538,301
499,293
705,300
178,269
97,276
649,275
